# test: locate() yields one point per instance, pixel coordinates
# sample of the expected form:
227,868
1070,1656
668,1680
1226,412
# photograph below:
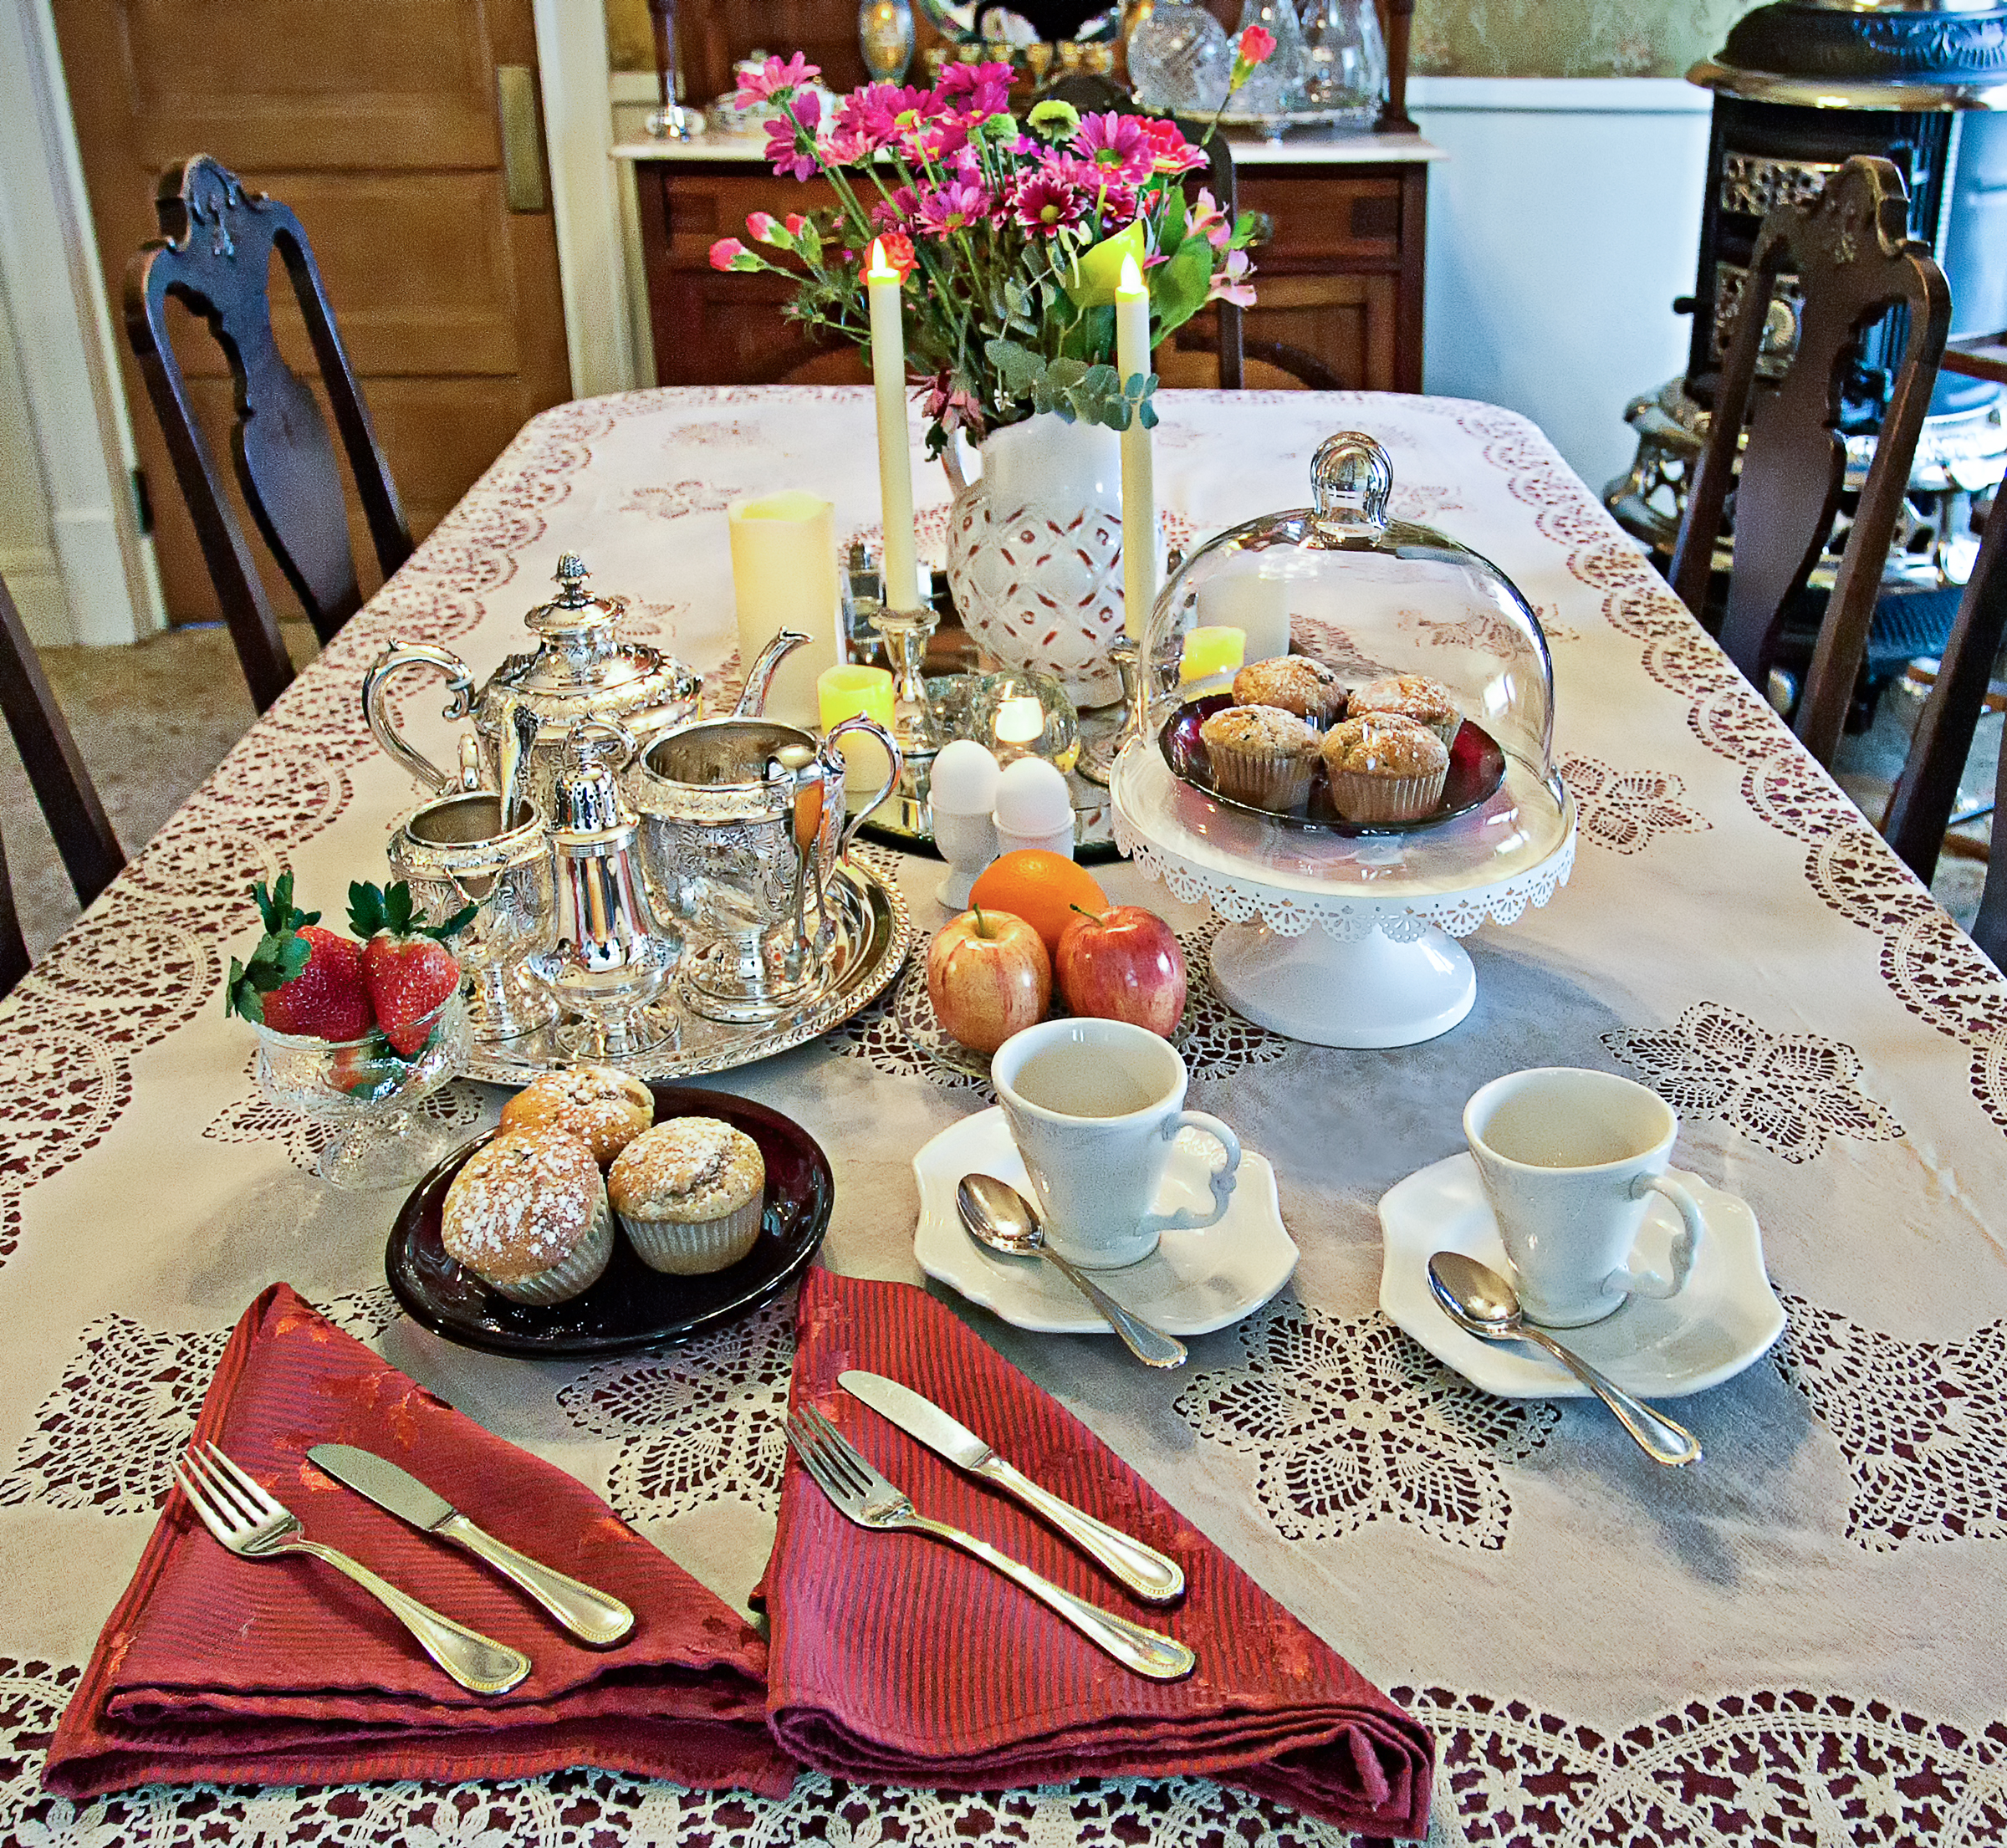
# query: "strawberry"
409,971
300,979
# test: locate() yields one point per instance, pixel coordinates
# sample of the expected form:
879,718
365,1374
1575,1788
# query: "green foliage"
1073,389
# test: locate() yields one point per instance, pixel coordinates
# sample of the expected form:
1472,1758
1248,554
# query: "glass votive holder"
1021,714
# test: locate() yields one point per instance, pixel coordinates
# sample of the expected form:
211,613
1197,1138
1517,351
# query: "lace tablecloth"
1798,1642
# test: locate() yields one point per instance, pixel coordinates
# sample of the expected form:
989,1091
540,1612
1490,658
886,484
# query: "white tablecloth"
1799,1640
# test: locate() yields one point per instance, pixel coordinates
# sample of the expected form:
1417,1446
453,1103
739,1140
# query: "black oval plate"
1477,767
630,1306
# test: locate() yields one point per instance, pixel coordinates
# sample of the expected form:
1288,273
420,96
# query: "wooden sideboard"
1340,280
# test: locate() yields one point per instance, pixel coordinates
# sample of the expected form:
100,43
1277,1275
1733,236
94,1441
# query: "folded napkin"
240,1672
896,1658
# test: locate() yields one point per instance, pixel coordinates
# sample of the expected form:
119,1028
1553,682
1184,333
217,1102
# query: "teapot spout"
759,676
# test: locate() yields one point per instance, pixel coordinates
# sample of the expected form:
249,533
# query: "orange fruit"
1041,887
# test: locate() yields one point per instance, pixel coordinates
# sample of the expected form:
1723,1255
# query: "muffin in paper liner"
570,1276
1260,755
687,1247
1417,696
1384,769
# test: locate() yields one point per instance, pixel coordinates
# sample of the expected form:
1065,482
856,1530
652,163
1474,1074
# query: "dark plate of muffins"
1476,770
631,1305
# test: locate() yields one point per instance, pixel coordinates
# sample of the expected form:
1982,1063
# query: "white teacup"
1569,1159
1094,1106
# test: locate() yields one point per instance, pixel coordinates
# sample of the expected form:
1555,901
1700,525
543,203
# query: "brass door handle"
521,152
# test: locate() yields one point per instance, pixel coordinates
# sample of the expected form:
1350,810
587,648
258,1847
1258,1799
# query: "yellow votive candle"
842,692
895,460
1139,482
1212,652
783,576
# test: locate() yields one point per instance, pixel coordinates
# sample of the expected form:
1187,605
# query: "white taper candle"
1139,479
895,459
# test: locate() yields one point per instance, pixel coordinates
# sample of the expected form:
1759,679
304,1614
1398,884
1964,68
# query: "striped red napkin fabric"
214,1668
897,1659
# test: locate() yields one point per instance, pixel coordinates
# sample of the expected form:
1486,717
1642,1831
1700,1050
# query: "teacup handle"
860,722
1184,1219
1631,1281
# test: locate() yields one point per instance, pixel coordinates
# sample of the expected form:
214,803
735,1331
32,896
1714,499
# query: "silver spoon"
994,1213
1481,1302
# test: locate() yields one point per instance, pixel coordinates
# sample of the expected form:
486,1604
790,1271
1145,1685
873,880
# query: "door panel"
375,120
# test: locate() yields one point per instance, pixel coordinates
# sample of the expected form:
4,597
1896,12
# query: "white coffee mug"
1094,1106
1569,1159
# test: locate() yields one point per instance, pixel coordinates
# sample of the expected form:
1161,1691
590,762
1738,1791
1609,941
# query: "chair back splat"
214,255
1854,260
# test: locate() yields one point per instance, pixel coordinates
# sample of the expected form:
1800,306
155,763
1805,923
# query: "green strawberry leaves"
281,954
374,909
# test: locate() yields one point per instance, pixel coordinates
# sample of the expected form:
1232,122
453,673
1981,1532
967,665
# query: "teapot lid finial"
570,577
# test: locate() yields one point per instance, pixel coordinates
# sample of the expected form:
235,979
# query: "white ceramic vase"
1034,552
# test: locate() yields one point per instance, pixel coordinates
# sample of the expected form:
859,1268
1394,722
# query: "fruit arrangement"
376,994
1039,925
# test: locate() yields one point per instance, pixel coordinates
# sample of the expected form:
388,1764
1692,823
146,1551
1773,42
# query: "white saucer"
1194,1282
1724,1319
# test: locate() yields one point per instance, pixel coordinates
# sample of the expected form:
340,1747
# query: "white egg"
964,781
1032,798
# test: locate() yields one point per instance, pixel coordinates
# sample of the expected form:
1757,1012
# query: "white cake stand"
1346,941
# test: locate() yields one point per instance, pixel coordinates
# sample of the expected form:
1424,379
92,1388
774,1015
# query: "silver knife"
589,1615
1146,1571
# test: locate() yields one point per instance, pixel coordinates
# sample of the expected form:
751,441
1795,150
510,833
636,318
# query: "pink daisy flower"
955,206
977,91
1047,201
1115,145
783,147
873,113
755,87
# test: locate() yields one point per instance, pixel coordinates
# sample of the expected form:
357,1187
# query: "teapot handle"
396,659
859,722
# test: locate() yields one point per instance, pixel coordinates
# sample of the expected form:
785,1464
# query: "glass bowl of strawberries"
357,1032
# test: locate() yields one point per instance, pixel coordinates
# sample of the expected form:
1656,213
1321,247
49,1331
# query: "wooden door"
378,122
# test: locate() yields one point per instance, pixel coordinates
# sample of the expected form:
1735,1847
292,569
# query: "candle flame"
881,267
1133,278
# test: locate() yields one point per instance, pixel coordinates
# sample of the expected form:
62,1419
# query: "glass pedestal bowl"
366,1098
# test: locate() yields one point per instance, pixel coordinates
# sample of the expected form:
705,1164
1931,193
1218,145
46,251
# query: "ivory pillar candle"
894,458
1252,602
842,692
1139,483
783,576
1211,654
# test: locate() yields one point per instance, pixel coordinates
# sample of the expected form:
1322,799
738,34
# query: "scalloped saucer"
1723,1321
1194,1282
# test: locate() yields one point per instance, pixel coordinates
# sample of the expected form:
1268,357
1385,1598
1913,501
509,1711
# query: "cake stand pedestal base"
1368,992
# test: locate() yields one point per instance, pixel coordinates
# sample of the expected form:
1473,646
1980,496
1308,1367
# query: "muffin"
1410,696
1384,767
604,1108
689,1194
528,1216
1260,755
1295,683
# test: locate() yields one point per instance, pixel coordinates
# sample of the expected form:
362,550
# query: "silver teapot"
580,669
742,824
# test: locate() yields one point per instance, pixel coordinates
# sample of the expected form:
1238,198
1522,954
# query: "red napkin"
896,1658
216,1668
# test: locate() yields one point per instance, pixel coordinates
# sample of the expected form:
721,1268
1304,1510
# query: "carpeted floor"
153,721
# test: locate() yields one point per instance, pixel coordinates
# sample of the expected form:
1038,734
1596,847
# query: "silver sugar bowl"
455,852
580,669
605,959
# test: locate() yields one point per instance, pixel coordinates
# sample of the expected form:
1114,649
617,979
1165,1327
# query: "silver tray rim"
885,956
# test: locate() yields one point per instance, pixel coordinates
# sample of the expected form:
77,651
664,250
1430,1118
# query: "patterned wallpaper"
1467,37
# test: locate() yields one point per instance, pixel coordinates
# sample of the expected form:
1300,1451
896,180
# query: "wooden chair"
84,835
1854,260
215,255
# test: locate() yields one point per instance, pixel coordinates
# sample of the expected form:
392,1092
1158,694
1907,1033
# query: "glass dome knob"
1351,482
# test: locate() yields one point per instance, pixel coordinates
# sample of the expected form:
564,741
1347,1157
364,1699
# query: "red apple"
1123,964
988,977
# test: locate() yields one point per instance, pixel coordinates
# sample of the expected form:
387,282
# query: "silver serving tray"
873,936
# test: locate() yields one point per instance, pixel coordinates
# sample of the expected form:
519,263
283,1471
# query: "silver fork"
862,1495
245,1518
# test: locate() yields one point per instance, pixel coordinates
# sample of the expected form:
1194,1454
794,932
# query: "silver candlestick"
907,633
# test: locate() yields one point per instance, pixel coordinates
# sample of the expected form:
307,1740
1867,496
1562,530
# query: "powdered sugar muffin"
527,1215
1409,695
1384,767
689,1193
1295,683
604,1108
1261,755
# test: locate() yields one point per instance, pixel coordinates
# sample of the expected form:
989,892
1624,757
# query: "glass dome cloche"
1372,597
1416,797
